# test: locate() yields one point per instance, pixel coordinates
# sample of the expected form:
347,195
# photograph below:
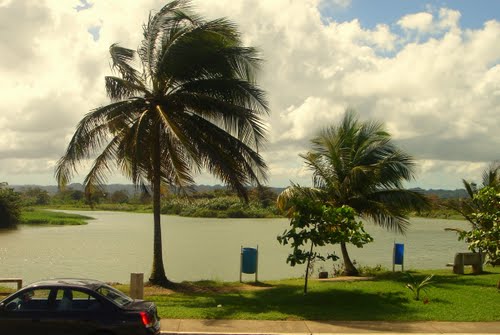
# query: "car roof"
68,282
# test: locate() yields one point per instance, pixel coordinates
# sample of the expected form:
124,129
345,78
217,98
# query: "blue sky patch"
370,12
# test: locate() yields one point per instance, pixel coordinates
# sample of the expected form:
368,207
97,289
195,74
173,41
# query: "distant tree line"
212,202
201,201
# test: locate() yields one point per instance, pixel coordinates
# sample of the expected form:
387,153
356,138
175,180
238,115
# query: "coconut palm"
356,164
491,178
471,206
185,101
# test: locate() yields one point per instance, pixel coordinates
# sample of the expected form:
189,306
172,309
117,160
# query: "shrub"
10,210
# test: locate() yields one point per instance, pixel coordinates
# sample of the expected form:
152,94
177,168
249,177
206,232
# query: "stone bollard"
137,285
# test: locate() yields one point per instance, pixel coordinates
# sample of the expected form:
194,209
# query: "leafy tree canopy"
485,233
316,224
10,202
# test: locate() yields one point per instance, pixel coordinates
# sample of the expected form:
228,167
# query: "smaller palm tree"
491,178
356,164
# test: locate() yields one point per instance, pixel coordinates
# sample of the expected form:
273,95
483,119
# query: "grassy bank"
447,214
45,217
217,208
451,298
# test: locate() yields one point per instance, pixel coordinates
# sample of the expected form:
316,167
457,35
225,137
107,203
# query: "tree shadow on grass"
288,302
385,298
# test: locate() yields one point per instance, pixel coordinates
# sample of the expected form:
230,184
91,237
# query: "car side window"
30,300
68,299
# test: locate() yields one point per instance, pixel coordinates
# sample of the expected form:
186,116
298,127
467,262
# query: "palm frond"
92,132
241,122
470,188
119,89
121,59
386,219
177,164
284,201
173,121
230,90
209,50
97,176
402,199
225,156
161,27
135,148
491,175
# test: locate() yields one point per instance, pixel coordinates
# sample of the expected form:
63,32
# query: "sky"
428,70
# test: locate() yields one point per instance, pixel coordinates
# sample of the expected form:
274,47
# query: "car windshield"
118,297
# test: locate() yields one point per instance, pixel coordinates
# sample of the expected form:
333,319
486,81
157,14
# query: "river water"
115,244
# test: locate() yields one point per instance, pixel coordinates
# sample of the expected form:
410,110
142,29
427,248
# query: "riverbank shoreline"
436,214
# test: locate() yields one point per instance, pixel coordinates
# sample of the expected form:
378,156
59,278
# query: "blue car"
76,306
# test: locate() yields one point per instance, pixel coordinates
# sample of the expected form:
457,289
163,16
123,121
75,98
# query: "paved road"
183,326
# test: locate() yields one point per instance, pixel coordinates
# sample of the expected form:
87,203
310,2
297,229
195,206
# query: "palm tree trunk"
158,276
349,268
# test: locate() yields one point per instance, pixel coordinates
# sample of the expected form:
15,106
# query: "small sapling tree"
485,233
316,224
416,285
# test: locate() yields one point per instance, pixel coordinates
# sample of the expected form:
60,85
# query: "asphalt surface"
193,326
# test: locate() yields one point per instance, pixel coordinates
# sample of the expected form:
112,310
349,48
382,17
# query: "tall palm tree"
190,102
356,164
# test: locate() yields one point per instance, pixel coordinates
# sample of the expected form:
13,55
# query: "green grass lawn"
45,217
451,298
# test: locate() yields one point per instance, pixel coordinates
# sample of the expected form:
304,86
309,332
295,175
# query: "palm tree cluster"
186,100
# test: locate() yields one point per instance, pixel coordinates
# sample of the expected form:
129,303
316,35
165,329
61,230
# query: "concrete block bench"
467,258
18,281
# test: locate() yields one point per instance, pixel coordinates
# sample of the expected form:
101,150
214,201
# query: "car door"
26,313
77,311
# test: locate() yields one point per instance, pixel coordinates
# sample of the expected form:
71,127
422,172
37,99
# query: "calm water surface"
115,244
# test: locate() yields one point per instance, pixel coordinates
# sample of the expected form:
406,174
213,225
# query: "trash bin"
398,256
248,260
399,251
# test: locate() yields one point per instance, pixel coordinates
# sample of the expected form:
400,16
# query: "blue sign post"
398,256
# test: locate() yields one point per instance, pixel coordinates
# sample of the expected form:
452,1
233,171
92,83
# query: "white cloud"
304,121
448,18
419,25
438,96
419,21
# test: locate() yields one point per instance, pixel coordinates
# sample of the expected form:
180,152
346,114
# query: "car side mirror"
2,306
